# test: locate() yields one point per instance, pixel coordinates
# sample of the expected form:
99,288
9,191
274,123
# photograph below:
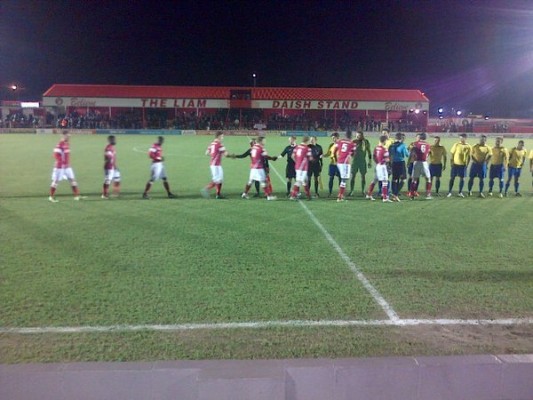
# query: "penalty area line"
268,324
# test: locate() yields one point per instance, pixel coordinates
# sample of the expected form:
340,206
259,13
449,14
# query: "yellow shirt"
500,155
480,153
331,153
388,142
461,153
437,154
517,157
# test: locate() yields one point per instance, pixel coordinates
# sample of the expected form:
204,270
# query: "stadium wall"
190,132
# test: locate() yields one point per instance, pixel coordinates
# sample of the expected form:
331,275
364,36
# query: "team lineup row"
347,157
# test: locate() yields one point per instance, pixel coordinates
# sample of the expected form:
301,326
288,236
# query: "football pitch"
128,279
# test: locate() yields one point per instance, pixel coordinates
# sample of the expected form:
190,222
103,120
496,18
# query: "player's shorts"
314,169
59,174
435,170
157,171
478,170
111,175
217,175
359,166
301,176
419,168
497,171
290,171
514,172
381,173
398,170
257,174
333,170
344,170
458,170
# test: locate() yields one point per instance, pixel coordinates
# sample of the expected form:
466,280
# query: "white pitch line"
359,275
267,324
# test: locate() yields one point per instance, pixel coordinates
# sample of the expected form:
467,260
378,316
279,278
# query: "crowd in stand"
223,119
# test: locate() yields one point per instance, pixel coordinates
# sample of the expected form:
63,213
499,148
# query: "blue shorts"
514,172
458,170
398,170
333,170
435,170
496,171
478,170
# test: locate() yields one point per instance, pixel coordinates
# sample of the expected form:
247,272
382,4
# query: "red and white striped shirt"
216,150
345,150
301,154
156,153
62,154
256,154
110,157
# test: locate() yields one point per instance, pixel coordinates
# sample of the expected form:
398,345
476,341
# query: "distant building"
241,107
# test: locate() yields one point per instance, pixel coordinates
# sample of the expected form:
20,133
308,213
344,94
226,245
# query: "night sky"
471,55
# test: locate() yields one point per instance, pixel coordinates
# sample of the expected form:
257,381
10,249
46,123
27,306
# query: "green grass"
128,261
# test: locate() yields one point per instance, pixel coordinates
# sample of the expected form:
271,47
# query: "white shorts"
301,176
257,174
157,171
217,175
419,167
381,173
112,175
345,170
59,174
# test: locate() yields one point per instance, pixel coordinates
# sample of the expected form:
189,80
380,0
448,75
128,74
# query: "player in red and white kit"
301,156
157,170
257,169
419,155
345,150
111,172
381,159
62,169
215,151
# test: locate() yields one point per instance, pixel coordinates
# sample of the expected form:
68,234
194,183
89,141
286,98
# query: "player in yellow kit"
517,157
498,162
437,162
480,154
531,165
460,157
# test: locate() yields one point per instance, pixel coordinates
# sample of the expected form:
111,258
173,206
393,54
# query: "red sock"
247,188
428,188
371,188
52,191
307,191
414,185
219,188
106,189
75,190
385,191
211,185
341,192
295,190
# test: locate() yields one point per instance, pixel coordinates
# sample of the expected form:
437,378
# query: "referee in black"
290,170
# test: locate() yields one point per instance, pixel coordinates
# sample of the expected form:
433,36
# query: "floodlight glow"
29,104
440,110
14,87
417,111
459,113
